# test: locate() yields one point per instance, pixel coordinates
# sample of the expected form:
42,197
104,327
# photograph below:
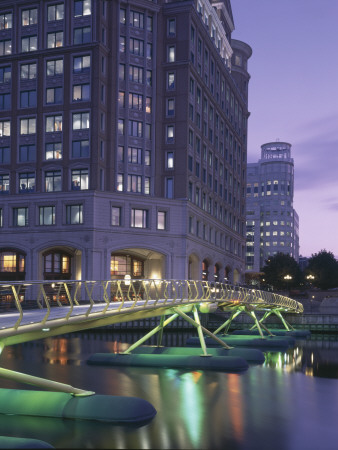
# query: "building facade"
272,224
123,129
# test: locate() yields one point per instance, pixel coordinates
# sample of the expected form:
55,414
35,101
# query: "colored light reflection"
191,405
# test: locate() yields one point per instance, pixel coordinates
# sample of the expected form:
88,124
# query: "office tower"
272,224
123,128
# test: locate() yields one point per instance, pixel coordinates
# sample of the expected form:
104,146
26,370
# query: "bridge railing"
136,293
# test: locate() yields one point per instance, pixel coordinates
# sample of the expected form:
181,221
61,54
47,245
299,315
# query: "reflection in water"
236,406
274,405
191,401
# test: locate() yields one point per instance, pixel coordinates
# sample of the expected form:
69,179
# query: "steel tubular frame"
89,304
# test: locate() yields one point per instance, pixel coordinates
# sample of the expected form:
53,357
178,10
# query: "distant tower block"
272,224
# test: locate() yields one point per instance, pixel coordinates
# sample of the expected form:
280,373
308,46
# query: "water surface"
288,403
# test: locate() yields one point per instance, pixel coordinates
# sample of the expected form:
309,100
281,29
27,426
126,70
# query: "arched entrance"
217,273
57,265
227,272
237,276
193,267
205,270
135,264
122,265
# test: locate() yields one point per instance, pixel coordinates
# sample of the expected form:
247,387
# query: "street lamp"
310,278
287,278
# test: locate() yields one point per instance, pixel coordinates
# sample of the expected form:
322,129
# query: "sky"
293,97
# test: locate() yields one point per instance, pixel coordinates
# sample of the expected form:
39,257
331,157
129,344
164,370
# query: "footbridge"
33,310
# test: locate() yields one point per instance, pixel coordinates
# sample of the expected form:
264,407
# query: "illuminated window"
29,44
134,183
171,81
26,182
74,214
121,265
11,262
54,95
53,150
170,160
80,179
135,155
53,181
55,12
57,263
81,92
170,135
171,53
20,217
28,126
135,74
54,67
136,19
139,218
4,184
29,17
53,123
55,39
47,215
116,216
28,71
81,64
82,8
205,270
5,21
119,182
80,121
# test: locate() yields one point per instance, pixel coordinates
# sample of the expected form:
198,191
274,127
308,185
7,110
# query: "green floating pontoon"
176,361
269,342
249,354
14,442
276,332
104,408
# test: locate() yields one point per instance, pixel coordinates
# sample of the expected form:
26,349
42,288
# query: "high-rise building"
272,224
123,129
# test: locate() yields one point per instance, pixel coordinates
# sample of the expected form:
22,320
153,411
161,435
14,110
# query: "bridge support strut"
157,329
43,383
202,328
286,324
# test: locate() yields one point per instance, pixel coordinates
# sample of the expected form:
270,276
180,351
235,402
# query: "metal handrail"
128,296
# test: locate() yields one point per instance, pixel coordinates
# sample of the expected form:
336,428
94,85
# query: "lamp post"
287,278
310,279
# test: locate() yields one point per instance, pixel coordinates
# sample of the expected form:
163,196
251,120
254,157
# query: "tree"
279,266
324,268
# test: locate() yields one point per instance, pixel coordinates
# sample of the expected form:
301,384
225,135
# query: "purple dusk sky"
293,97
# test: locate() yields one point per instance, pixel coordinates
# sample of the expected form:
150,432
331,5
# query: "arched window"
12,265
205,270
216,273
56,265
227,271
121,265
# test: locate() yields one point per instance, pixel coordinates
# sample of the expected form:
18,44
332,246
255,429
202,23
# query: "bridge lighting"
53,285
127,279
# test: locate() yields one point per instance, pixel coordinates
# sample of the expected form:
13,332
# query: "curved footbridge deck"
34,310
